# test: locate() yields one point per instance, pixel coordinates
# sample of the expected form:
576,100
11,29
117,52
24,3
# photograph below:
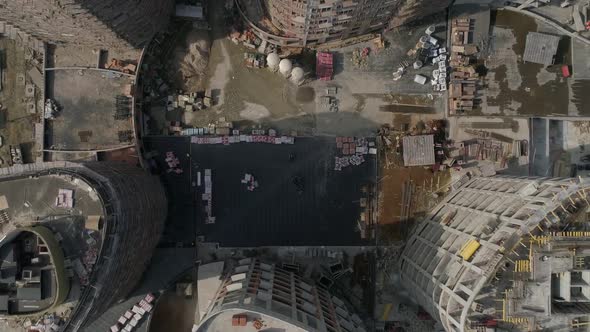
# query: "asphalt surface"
323,210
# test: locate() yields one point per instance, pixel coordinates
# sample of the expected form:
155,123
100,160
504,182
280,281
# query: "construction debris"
173,163
254,60
188,102
250,182
16,155
125,67
51,110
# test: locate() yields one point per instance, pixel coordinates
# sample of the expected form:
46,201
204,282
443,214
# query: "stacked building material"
208,197
226,140
65,198
131,318
250,182
462,89
324,66
353,151
173,163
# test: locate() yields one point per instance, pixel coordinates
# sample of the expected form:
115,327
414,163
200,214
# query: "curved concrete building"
312,22
499,251
282,300
94,225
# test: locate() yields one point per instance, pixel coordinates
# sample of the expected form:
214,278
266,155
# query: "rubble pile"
51,110
46,323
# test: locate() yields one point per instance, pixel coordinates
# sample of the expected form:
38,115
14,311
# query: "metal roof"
418,150
540,48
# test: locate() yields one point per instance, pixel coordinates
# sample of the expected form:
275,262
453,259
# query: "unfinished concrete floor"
515,88
16,123
87,101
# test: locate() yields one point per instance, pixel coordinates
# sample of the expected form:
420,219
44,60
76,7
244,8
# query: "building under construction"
101,24
314,22
251,293
505,254
94,223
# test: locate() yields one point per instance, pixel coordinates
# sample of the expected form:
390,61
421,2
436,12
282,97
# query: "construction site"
293,165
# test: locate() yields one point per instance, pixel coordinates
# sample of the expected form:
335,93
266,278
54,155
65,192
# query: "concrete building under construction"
96,224
313,22
505,254
98,24
251,291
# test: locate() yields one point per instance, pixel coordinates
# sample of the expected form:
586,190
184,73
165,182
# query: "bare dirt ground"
76,56
16,123
189,60
249,98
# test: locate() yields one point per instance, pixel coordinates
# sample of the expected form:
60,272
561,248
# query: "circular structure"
418,64
33,272
495,239
109,217
297,75
272,60
285,67
430,30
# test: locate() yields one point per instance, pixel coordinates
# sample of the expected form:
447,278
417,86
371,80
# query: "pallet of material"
469,49
468,89
457,48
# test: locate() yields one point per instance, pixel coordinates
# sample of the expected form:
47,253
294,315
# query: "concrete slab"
325,212
580,61
87,102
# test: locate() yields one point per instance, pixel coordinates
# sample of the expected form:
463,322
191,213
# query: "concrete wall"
93,23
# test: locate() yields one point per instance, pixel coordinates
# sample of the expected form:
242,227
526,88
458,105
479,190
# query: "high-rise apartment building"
252,290
504,251
99,24
313,22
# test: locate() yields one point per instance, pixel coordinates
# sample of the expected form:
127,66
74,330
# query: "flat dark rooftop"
87,99
275,213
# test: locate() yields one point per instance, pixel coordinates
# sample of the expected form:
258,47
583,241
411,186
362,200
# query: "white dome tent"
285,67
297,75
272,60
